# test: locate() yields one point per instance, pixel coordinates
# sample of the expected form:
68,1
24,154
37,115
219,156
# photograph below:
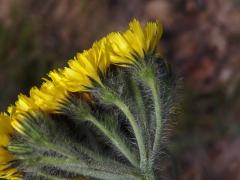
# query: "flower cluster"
118,48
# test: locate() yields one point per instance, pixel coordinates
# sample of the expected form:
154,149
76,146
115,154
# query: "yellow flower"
135,43
84,68
6,172
152,33
122,53
101,55
22,106
47,98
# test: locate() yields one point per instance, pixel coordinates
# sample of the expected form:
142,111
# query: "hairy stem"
115,139
143,117
107,162
137,131
157,107
77,167
140,103
49,177
149,176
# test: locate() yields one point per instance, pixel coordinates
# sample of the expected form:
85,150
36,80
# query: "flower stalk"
158,114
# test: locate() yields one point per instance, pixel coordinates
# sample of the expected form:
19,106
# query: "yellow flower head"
117,48
47,98
22,106
134,43
6,172
84,68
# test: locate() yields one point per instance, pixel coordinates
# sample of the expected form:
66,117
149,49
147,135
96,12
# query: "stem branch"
157,107
137,131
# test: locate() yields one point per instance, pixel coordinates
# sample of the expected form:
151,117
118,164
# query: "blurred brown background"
201,40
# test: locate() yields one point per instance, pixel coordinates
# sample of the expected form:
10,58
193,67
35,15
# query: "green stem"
110,97
49,177
42,141
157,107
137,131
143,116
140,104
116,140
149,176
108,162
59,150
91,154
77,167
